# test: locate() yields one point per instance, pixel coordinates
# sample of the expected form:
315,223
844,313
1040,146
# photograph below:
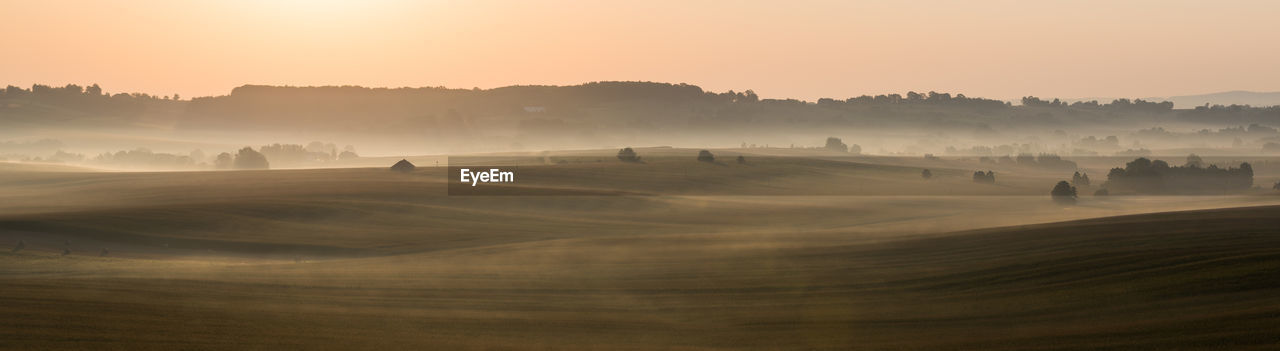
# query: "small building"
403,166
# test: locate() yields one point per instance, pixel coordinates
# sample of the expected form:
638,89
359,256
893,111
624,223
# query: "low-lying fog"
333,126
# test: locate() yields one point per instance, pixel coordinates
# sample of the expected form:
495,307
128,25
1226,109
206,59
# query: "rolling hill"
366,258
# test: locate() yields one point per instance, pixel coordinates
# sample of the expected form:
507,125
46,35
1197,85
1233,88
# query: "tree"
742,160
628,155
247,158
224,161
835,144
1063,192
706,156
197,156
1241,177
1194,161
1079,179
926,174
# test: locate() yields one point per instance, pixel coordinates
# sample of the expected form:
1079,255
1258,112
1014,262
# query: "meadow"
793,253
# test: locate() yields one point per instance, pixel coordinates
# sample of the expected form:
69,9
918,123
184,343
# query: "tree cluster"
1079,179
1145,176
143,158
914,98
835,144
1046,161
298,155
1117,105
988,177
246,158
1231,114
74,97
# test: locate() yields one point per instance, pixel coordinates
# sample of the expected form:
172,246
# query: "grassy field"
367,258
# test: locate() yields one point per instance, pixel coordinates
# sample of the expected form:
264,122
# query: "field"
870,257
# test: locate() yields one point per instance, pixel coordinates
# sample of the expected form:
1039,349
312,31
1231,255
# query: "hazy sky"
802,49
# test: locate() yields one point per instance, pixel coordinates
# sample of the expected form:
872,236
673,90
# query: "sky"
779,49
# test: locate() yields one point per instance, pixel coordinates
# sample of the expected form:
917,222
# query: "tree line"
90,98
608,105
1144,176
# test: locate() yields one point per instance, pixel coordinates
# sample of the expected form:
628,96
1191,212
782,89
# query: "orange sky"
802,49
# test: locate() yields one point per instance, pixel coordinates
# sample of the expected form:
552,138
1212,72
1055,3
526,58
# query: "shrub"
926,174
987,178
706,156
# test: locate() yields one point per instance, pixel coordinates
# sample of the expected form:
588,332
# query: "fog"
84,126
638,216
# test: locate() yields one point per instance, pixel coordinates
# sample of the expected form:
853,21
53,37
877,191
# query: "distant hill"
1226,98
1238,97
597,113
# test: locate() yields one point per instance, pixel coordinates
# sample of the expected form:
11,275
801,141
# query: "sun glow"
835,49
